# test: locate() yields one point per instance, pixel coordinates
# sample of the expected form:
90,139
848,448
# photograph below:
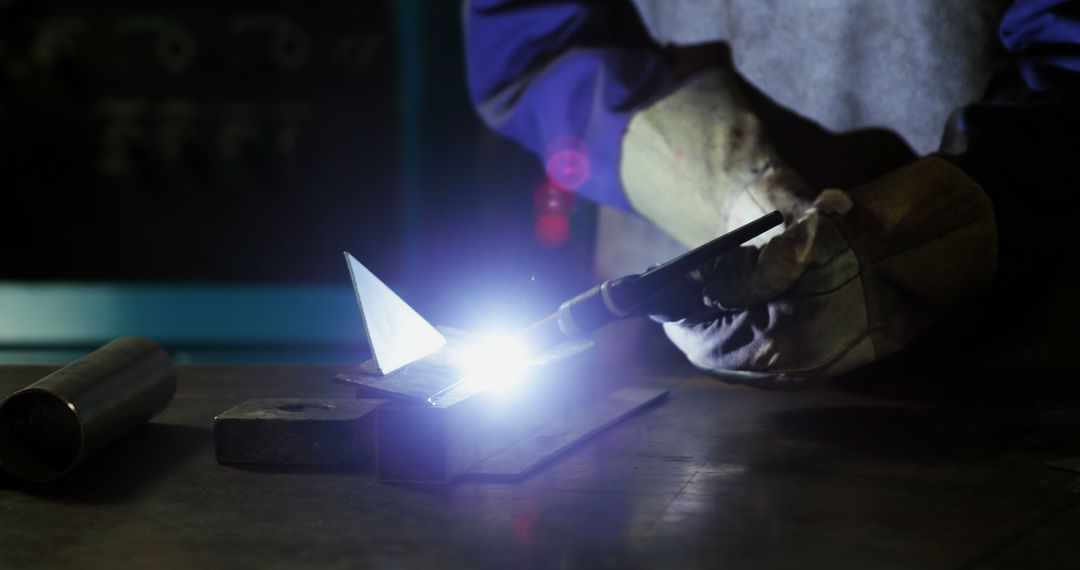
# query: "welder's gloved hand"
698,162
855,279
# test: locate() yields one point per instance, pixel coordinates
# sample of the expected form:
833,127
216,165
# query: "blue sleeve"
1045,37
563,77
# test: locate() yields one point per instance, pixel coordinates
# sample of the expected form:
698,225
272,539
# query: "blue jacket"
564,77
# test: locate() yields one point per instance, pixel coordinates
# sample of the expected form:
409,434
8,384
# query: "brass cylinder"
49,427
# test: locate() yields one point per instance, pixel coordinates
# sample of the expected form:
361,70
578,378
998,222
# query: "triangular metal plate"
396,333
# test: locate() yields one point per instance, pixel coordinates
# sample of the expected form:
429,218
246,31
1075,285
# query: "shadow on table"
122,471
907,377
975,431
868,434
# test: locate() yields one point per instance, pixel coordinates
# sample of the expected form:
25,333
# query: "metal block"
435,425
297,431
526,455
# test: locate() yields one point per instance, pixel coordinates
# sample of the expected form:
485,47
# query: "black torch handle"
631,293
620,298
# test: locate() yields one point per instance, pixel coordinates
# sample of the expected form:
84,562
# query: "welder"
700,116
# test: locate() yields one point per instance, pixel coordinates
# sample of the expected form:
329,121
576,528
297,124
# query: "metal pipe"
49,427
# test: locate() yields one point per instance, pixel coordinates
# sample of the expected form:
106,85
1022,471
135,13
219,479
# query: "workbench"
944,470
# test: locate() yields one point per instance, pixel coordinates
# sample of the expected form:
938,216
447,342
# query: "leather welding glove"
855,279
697,162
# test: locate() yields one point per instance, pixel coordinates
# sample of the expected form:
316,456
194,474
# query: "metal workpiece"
49,427
396,333
297,431
520,459
436,424
440,379
456,399
437,444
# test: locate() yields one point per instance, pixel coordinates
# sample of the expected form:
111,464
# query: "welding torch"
631,295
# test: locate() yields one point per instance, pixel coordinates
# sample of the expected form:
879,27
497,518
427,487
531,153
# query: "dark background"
250,143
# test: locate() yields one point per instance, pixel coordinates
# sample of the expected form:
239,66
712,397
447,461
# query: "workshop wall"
176,150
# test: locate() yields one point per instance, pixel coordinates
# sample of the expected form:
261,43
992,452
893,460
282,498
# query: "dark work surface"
951,473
